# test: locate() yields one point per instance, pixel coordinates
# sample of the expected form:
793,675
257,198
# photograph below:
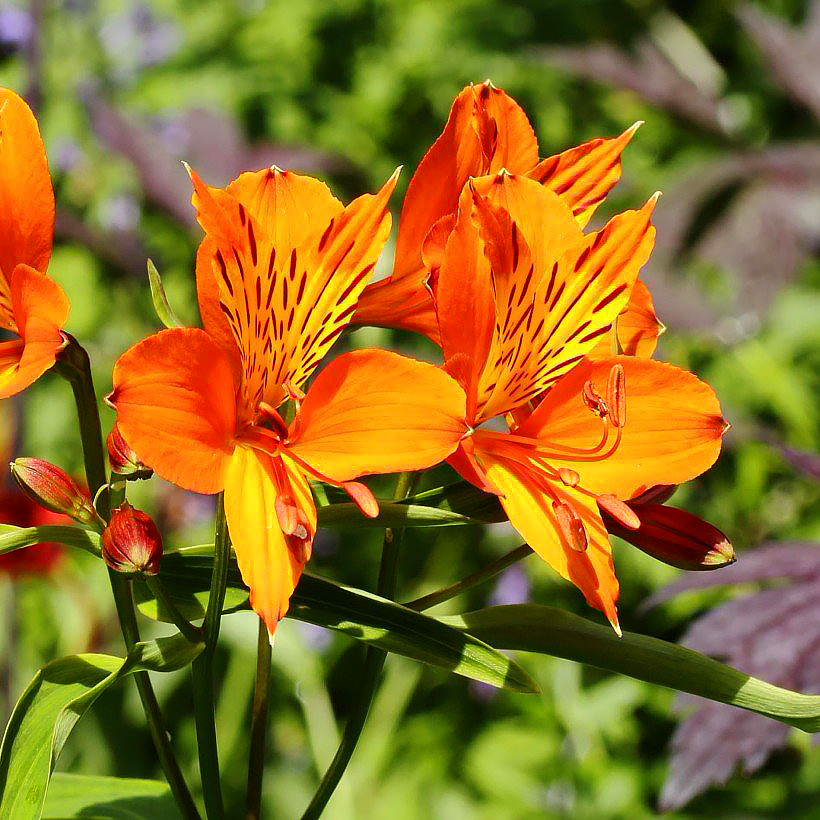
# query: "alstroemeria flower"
278,274
523,298
486,132
32,306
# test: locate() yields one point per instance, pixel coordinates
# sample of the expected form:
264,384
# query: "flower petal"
377,412
285,304
271,563
175,397
486,131
672,434
583,176
531,512
465,304
638,328
26,196
40,308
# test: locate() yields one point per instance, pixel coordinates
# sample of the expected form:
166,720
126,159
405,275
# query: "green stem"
259,725
202,673
75,366
479,576
168,607
373,664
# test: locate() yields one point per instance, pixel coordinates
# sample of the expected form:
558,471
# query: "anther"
362,497
622,513
571,526
568,477
593,400
616,395
288,516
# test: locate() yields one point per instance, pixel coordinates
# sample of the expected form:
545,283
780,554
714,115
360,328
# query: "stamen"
269,414
616,396
622,513
571,526
593,400
568,477
288,516
362,497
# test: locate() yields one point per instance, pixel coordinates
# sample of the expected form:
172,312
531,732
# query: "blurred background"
730,92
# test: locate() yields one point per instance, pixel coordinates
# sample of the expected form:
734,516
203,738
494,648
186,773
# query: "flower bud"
55,490
131,543
123,460
676,537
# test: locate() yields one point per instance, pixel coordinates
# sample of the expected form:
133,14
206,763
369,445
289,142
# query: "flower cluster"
547,395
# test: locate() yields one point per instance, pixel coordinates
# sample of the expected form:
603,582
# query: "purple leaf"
770,562
773,635
790,52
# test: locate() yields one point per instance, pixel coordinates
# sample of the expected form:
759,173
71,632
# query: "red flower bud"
123,460
131,543
55,490
676,537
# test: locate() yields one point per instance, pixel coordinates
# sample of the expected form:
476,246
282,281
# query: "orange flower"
487,131
278,275
523,298
31,305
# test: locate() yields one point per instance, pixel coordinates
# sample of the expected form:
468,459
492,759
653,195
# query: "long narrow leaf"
555,632
15,538
58,696
366,617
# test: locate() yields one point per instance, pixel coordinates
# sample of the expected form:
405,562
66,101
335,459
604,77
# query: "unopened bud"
55,490
123,459
676,537
131,543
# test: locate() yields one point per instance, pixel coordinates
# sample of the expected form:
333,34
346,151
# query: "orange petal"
531,511
551,310
638,328
486,131
465,304
270,562
175,397
377,412
545,222
284,304
26,196
672,434
40,308
583,176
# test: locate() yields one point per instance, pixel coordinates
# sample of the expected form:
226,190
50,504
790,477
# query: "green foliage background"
367,85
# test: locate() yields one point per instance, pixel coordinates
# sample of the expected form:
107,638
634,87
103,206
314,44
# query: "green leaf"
555,632
60,694
165,312
15,538
186,575
108,798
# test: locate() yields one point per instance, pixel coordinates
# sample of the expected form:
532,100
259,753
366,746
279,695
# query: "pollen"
616,396
571,526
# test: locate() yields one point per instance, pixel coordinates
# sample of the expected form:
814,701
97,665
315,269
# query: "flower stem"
202,674
373,664
259,725
479,576
74,365
165,604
